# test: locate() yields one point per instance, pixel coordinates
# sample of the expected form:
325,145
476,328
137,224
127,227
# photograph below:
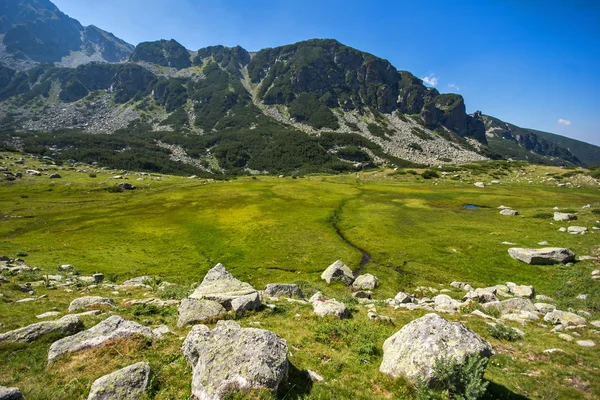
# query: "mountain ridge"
214,101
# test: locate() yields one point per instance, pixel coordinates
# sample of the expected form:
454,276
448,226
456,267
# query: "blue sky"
532,63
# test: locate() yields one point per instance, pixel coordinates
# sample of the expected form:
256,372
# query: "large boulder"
564,318
232,358
112,328
192,311
90,301
330,307
10,393
365,282
68,324
338,271
413,350
283,290
543,256
129,383
219,285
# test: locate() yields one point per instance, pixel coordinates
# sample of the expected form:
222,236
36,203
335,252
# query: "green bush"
463,381
503,332
415,146
543,215
140,310
430,174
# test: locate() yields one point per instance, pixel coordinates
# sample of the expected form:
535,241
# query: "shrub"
411,171
307,288
596,211
503,332
462,381
92,175
415,146
115,189
543,215
151,309
174,292
429,174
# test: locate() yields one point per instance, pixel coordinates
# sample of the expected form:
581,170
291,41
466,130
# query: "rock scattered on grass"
283,290
412,350
220,286
230,357
338,271
10,393
68,324
90,301
193,311
112,328
129,383
543,256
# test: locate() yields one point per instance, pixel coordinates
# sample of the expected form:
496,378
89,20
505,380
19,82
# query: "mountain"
316,105
33,31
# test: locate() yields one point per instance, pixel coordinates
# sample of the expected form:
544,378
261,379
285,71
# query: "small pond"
472,207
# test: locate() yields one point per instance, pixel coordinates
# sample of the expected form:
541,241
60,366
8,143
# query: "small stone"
10,393
313,376
566,336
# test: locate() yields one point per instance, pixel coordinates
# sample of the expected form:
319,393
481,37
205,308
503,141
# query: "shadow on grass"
298,385
499,392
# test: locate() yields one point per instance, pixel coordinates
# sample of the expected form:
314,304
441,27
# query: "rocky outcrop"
283,290
232,359
338,271
544,256
193,311
89,302
68,324
413,350
220,286
129,383
112,328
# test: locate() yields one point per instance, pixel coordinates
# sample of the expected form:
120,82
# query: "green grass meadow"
269,229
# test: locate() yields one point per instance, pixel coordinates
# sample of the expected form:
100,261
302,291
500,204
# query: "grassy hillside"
270,229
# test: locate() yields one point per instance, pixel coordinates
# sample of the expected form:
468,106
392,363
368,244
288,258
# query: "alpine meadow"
299,222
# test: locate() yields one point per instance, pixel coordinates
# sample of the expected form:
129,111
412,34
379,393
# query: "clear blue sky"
532,63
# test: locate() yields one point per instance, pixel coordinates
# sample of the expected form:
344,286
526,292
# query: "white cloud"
431,80
565,122
453,86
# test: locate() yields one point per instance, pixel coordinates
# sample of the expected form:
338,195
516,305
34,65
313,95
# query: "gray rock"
522,291
161,331
193,311
48,314
90,301
508,211
544,307
558,216
480,185
112,328
10,393
483,295
509,306
576,230
338,271
219,285
246,303
233,358
330,307
139,281
564,318
402,297
283,290
586,343
55,176
413,350
129,383
98,278
566,337
543,256
314,377
66,267
68,324
365,282
317,297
